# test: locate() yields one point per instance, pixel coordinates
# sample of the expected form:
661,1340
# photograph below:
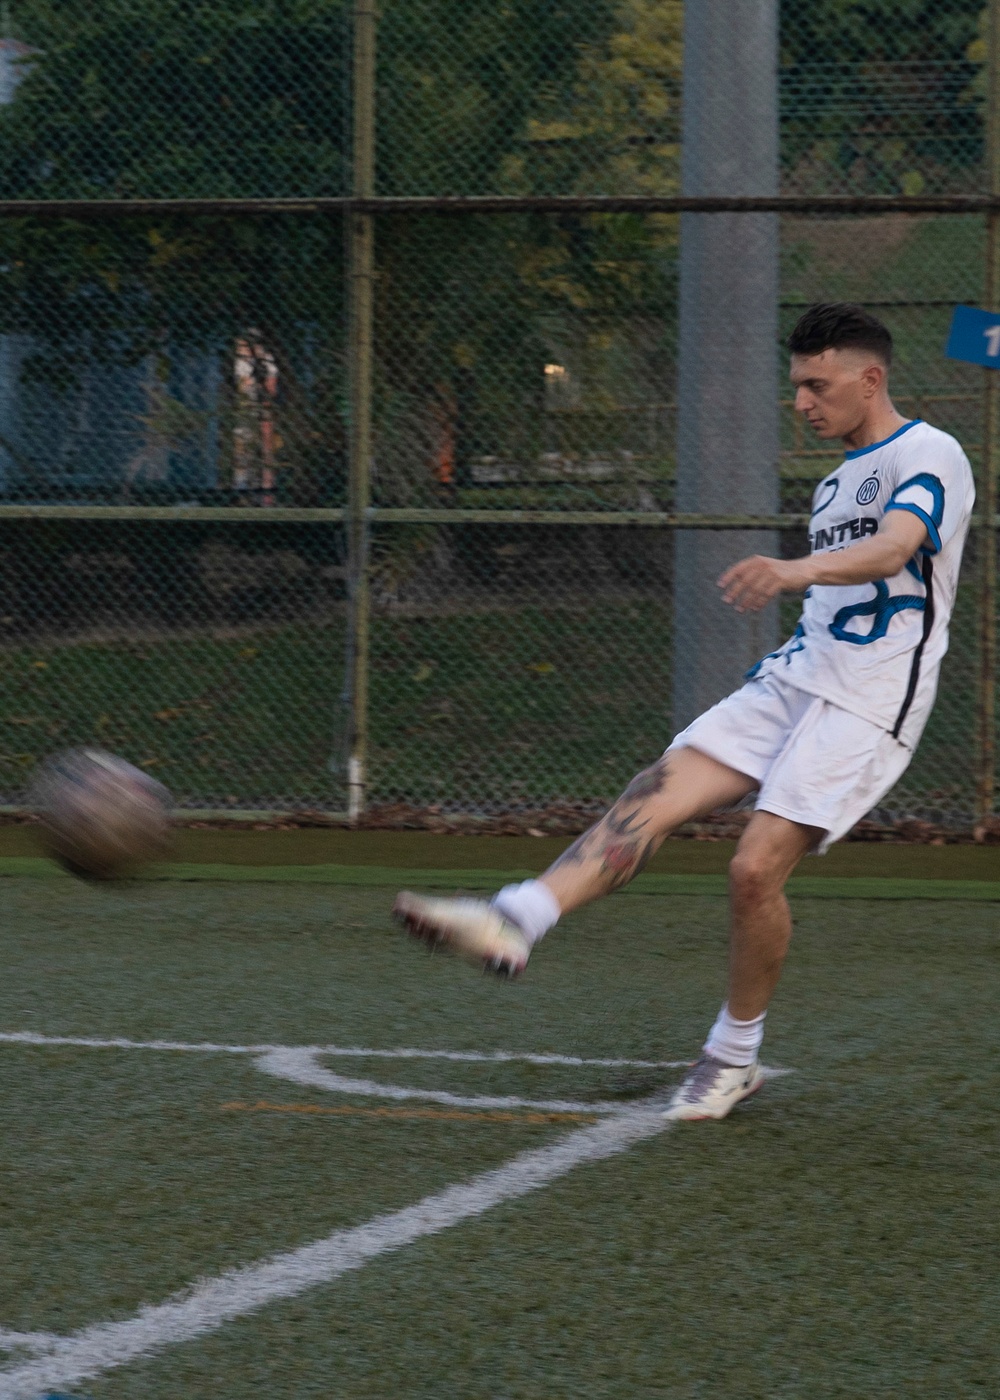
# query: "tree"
246,98
879,95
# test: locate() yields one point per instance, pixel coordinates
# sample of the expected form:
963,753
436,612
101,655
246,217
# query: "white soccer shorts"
814,762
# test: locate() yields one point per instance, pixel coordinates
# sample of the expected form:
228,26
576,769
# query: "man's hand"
752,583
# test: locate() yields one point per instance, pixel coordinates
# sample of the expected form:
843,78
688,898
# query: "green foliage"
175,99
459,84
178,99
888,31
881,95
617,131
590,103
249,97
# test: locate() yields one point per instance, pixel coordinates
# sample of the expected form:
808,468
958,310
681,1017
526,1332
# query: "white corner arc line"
303,1067
212,1303
359,1052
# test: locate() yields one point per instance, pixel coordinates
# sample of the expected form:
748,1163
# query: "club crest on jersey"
867,491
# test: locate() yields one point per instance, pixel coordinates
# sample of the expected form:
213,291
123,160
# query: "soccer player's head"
840,366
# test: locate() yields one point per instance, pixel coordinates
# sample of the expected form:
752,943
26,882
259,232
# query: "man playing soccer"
823,727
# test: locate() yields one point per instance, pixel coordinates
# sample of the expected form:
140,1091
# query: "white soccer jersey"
875,649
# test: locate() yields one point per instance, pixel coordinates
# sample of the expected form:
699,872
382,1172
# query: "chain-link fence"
342,491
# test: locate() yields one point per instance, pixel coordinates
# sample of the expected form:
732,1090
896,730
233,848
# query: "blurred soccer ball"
100,816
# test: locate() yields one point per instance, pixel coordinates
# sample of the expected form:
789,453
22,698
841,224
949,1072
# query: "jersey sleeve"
940,495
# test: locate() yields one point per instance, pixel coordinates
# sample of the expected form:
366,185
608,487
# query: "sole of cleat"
504,971
416,926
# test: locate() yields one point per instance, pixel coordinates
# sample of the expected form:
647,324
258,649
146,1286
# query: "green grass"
530,705
218,718
527,706
291,853
834,1238
824,885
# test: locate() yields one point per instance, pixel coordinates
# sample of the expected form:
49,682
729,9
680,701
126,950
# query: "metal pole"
361,262
727,381
986,794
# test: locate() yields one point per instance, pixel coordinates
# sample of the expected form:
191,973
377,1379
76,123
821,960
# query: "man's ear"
873,378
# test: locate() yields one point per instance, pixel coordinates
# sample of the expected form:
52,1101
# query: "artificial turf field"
835,1237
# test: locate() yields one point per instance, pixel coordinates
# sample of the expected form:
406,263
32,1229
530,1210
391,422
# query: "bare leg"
679,787
761,927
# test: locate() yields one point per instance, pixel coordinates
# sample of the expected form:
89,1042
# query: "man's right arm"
752,583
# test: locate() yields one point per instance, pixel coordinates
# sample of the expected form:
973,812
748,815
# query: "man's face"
834,389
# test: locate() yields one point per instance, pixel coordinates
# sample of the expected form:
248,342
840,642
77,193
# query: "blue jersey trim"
881,609
863,451
934,488
832,487
932,530
796,642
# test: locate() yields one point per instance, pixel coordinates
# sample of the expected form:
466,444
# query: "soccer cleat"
711,1089
471,928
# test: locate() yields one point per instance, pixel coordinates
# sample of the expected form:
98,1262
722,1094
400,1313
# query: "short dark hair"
840,325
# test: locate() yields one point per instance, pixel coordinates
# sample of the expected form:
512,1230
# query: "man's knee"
769,850
757,874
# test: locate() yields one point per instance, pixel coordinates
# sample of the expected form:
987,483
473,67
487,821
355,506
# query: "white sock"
735,1042
531,905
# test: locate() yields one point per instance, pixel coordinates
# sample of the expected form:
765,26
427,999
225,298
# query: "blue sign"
975,337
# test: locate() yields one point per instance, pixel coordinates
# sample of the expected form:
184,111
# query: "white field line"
358,1052
300,1065
303,1067
212,1303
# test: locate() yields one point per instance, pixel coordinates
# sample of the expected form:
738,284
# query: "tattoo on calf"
624,860
614,839
622,826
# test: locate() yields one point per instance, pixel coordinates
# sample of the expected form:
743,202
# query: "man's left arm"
752,583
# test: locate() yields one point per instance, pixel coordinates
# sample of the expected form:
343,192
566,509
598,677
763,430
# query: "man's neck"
876,427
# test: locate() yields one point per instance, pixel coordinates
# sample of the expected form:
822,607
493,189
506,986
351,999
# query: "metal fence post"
361,264
986,787
727,376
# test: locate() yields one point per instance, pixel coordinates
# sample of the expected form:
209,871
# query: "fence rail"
818,205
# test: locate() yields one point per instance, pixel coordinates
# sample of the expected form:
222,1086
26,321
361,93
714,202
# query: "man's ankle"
735,1042
531,905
